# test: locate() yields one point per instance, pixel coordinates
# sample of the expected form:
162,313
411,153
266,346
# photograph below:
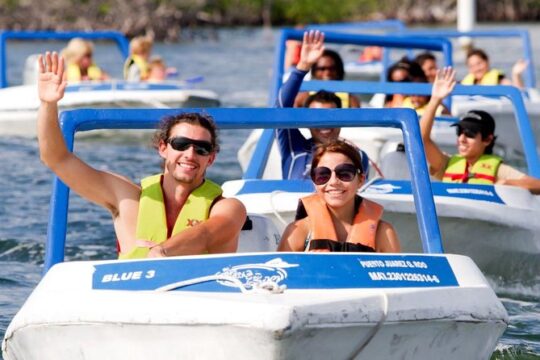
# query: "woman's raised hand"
51,83
312,49
444,83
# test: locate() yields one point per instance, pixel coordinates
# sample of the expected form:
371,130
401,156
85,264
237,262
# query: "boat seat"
259,234
31,70
393,163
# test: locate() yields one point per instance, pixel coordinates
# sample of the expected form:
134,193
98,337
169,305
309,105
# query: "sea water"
237,64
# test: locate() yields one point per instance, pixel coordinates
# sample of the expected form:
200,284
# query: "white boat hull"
19,104
66,318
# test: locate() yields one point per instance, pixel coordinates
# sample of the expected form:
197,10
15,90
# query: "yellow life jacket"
489,78
407,103
151,219
73,73
140,62
483,171
343,96
365,222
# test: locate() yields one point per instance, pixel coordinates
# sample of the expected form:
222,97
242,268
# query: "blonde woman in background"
79,64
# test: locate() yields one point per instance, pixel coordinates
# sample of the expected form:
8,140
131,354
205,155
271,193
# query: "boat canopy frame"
73,121
386,41
117,37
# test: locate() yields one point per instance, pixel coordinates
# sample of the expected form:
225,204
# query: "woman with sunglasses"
474,163
335,218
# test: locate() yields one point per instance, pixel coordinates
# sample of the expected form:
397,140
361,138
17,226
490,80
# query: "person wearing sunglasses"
176,212
335,217
474,163
295,150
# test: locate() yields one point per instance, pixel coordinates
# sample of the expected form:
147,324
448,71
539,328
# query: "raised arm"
311,51
517,73
102,188
218,234
442,86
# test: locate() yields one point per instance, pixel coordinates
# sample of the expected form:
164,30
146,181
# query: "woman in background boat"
79,63
335,218
329,66
428,63
474,163
296,151
480,72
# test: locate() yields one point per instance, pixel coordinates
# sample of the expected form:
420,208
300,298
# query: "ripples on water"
25,187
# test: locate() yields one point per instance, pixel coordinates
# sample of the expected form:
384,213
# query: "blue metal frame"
400,42
391,24
117,37
530,76
406,119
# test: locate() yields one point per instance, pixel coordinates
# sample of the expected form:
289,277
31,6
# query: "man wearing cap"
474,163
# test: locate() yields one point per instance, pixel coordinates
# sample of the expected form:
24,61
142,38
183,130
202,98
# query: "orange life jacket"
365,222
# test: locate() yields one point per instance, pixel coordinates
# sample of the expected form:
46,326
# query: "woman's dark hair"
338,63
338,146
478,52
325,97
423,57
163,131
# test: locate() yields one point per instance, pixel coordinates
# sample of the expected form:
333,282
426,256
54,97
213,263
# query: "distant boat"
19,105
264,305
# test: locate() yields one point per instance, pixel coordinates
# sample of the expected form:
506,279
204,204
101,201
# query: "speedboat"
18,109
264,304
476,220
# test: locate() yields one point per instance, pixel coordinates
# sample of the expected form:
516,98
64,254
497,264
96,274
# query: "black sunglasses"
471,134
344,172
180,143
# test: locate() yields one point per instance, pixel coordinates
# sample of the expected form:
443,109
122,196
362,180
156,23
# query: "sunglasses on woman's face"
201,147
344,172
471,134
324,68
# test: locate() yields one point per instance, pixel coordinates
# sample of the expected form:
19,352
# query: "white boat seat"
393,163
259,234
31,70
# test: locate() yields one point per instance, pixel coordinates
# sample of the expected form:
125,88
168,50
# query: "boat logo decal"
382,188
251,275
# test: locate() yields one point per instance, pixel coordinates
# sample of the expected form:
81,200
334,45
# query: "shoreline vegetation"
176,20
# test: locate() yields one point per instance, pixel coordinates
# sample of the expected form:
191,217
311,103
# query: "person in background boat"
404,70
428,63
335,217
136,65
157,71
296,151
79,63
475,162
328,66
480,72
419,102
370,54
177,212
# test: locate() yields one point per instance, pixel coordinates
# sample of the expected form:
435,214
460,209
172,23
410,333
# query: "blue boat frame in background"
115,36
73,121
399,42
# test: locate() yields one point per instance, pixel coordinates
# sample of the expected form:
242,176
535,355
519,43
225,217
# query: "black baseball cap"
477,121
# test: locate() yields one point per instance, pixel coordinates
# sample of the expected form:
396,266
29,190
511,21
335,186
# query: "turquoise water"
237,65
